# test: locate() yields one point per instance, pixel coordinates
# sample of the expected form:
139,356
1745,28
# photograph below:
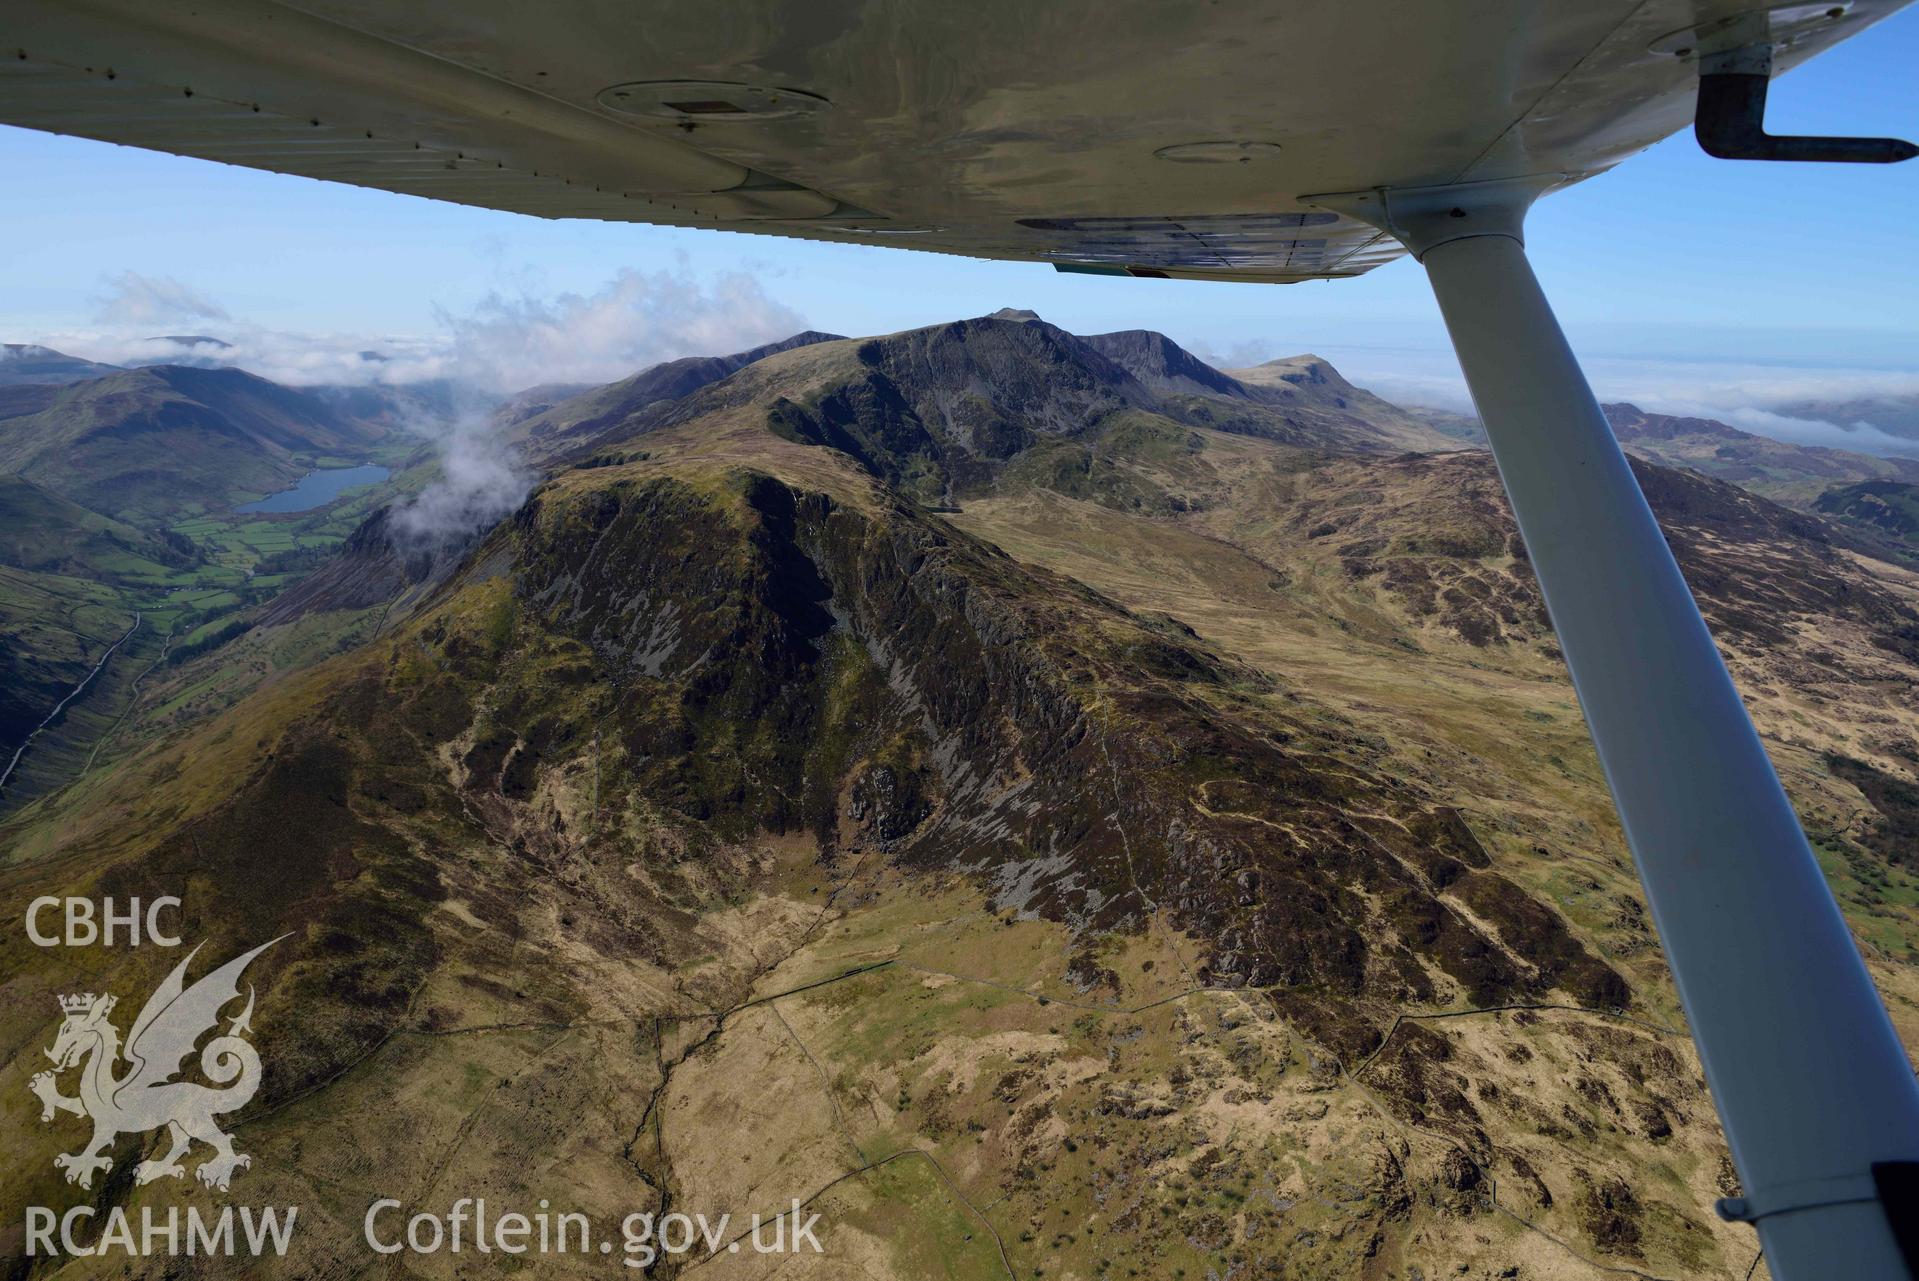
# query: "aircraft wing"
1140,137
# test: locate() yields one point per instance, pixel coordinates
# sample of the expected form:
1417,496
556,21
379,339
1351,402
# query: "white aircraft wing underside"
1141,137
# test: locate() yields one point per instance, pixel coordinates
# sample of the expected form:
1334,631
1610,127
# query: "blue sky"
1674,274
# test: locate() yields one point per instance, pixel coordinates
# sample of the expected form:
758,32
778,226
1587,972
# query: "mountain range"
1051,806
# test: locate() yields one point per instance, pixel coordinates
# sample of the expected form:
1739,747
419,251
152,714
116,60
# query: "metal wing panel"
1134,136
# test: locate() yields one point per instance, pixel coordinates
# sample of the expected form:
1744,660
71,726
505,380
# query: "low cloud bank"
1767,400
504,343
1860,437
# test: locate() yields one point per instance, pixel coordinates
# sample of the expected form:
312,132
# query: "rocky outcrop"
789,662
1164,365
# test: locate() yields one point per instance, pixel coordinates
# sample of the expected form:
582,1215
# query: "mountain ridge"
559,427
30,363
942,409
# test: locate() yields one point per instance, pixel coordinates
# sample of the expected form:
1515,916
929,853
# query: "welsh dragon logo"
145,1096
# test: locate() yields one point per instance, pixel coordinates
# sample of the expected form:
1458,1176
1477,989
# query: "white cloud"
637,319
479,482
1238,355
131,299
510,342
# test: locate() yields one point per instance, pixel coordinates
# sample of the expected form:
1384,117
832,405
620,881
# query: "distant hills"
171,439
1800,476
1809,478
29,364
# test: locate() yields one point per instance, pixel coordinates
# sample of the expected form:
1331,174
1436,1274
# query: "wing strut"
1819,1102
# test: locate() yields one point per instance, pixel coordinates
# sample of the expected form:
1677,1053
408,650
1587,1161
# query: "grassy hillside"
44,532
53,630
1889,506
168,441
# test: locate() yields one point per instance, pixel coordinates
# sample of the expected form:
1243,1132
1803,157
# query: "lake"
318,488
